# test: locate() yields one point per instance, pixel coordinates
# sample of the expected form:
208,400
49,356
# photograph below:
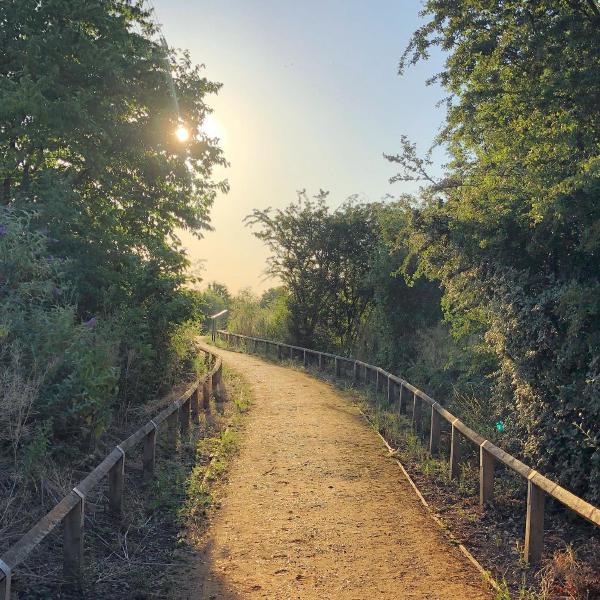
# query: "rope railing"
412,400
70,510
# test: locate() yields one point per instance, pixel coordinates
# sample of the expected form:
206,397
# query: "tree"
219,289
87,139
215,299
401,307
513,230
88,112
322,257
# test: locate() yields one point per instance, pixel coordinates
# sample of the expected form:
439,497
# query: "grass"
213,455
186,488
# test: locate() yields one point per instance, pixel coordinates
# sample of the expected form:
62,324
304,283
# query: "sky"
311,99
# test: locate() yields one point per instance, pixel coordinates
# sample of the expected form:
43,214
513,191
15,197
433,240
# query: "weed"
523,593
167,487
197,497
468,484
36,450
566,577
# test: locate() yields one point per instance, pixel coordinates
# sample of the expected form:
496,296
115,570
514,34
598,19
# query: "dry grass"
17,394
566,577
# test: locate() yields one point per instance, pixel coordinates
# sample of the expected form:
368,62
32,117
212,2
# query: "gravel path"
315,509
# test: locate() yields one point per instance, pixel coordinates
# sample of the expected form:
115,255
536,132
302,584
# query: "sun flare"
182,133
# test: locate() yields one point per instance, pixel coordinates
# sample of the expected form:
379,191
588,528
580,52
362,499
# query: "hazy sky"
310,99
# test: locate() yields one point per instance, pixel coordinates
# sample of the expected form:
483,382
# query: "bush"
265,317
54,367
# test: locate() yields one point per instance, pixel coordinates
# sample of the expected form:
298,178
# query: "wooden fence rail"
413,401
71,509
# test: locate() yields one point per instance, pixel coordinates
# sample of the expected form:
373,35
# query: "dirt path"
314,508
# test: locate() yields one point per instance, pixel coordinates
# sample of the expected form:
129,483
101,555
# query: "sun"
182,133
211,127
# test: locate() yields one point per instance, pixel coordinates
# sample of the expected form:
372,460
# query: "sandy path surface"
315,508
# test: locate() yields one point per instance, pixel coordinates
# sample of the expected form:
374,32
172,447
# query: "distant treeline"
95,313
484,288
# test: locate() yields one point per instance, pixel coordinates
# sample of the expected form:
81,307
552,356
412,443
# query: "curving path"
315,509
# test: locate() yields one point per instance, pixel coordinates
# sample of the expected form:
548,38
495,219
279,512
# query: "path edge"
486,575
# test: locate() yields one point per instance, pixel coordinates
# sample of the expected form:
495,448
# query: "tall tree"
89,160
322,257
88,140
513,230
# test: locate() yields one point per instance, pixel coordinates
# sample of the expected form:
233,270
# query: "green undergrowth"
186,488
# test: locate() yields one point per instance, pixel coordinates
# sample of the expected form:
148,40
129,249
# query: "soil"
314,507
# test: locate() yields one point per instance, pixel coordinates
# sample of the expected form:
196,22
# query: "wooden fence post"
172,430
184,417
338,372
355,372
367,378
206,393
215,385
320,361
195,407
455,453
5,581
487,466
149,454
434,435
279,353
401,405
389,390
219,392
416,414
304,358
534,523
73,542
116,477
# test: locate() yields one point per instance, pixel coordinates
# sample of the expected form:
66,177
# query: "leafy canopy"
513,229
322,257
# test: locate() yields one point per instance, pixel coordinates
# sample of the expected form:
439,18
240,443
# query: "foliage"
265,317
343,271
214,299
400,308
94,187
53,366
322,257
512,231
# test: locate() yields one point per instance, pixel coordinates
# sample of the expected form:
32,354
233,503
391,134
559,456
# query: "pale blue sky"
311,99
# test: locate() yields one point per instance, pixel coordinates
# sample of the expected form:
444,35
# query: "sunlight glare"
182,133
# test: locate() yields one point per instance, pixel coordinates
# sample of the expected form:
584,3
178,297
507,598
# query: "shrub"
54,367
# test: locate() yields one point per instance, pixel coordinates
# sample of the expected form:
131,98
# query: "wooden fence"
404,394
70,510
